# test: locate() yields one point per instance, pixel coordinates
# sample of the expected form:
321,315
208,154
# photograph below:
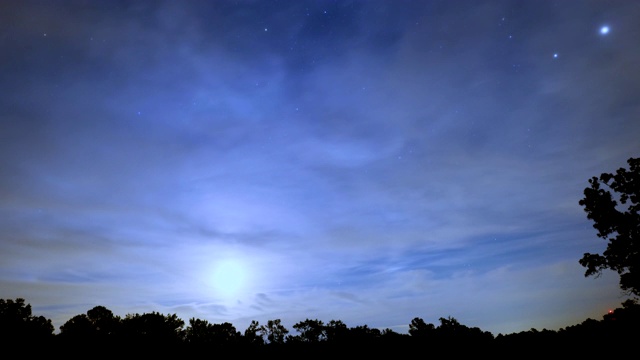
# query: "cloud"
372,163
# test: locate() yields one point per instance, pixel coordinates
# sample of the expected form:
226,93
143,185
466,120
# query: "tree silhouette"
78,326
336,331
254,334
618,222
225,334
363,333
153,335
311,331
17,322
201,332
450,326
276,332
98,323
153,327
418,328
103,320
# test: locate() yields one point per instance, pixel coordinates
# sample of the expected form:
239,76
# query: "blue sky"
363,161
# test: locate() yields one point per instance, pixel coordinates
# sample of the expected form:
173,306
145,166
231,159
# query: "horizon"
402,330
363,161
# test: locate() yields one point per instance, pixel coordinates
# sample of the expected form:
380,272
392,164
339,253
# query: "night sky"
363,161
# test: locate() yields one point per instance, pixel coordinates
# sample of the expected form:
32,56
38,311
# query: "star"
555,56
604,30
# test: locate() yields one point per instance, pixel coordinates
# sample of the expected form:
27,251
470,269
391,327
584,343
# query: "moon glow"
229,279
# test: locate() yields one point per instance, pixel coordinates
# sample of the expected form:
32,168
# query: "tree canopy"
153,334
616,218
16,321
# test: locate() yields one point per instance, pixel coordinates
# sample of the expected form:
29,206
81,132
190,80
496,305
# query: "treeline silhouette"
100,332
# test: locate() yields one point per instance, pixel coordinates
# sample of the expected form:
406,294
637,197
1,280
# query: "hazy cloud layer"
365,161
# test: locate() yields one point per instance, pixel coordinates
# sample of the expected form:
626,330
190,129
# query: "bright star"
555,56
604,30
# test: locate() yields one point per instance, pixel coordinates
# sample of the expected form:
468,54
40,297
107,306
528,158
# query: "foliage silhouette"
418,328
17,322
254,334
311,331
98,324
201,332
276,332
618,222
154,334
153,328
336,331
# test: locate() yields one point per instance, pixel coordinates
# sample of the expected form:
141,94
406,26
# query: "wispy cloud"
356,161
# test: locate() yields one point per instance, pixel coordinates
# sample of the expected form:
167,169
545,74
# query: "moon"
229,278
